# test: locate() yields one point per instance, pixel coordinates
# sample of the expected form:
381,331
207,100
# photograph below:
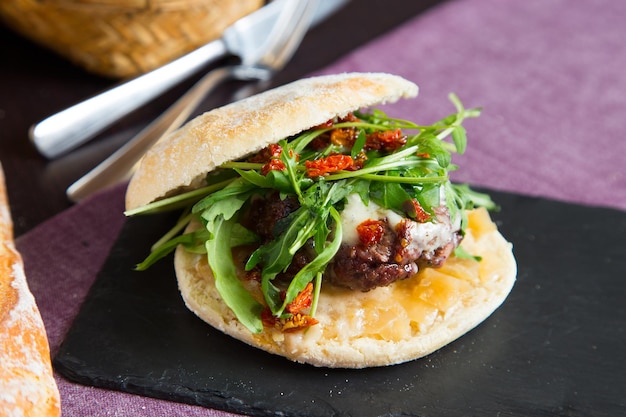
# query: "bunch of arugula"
417,170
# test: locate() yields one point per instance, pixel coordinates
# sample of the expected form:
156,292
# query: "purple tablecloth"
548,73
550,76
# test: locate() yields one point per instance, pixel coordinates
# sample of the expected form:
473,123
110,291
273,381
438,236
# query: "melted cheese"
427,236
356,212
411,307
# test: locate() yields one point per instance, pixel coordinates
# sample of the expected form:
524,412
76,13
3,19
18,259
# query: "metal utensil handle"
120,165
74,126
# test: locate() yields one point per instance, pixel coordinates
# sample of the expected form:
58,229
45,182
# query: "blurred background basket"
122,38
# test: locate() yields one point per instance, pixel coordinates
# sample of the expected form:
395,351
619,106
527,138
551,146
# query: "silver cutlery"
287,36
79,123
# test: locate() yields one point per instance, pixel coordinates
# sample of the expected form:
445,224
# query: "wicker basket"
122,38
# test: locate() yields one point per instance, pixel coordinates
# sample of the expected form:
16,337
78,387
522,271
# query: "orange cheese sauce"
411,306
406,308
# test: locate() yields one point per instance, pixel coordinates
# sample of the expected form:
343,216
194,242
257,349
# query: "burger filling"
359,202
378,245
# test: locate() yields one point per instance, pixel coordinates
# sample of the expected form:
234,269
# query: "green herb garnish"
415,170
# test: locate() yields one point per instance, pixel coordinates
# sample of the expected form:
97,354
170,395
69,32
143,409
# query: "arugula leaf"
314,268
359,143
469,199
178,201
417,170
276,255
219,213
290,158
235,295
362,187
276,180
241,236
429,196
390,195
429,145
461,253
238,189
190,240
459,136
309,221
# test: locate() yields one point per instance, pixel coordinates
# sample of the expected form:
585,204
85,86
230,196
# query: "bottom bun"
388,325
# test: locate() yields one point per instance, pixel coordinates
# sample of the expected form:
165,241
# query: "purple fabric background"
550,75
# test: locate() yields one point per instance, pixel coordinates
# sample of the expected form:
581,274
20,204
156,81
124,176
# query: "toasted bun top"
388,325
182,159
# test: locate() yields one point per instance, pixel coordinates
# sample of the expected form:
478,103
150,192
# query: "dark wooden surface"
35,83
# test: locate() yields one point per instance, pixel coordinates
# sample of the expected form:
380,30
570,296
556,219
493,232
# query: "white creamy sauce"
356,212
428,236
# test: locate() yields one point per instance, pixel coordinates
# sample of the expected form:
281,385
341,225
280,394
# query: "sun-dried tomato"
274,164
416,211
268,319
302,301
345,136
331,163
275,150
298,321
270,156
387,140
264,155
370,231
320,142
254,274
359,162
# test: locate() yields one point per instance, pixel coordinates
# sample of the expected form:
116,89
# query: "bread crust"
182,159
404,321
27,385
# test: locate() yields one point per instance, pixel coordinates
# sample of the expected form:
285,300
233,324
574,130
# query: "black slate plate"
556,347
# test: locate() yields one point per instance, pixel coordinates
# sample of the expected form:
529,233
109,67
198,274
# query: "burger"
320,229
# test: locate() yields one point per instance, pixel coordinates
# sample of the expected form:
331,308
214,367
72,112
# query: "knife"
72,127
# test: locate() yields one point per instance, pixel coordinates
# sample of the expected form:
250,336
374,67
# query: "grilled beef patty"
403,247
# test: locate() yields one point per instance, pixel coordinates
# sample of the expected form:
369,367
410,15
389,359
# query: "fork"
283,43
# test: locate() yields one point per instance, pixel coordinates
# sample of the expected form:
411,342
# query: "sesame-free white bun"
182,159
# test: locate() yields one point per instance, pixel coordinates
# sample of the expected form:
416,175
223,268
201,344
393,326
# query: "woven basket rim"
121,5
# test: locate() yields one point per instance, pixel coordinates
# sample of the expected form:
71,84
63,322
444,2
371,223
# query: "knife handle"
79,123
